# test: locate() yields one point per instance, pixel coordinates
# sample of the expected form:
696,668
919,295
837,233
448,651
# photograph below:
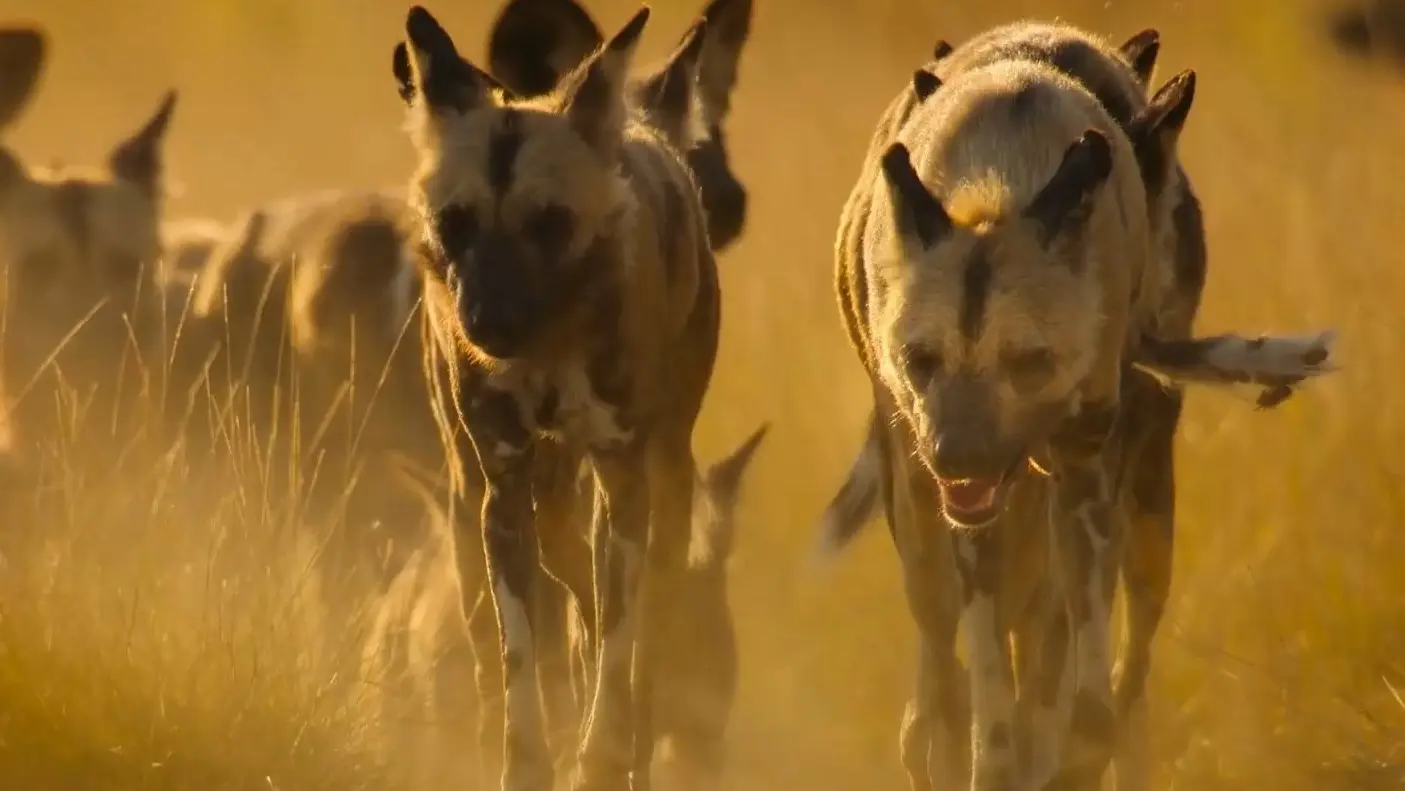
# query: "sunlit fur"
1072,298
78,251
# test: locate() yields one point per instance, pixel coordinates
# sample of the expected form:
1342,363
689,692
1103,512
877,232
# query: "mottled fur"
419,641
534,43
1164,303
571,307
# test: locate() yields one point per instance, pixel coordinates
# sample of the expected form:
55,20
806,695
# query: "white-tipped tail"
1278,363
856,502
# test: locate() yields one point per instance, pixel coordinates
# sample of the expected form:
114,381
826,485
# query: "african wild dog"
572,306
997,334
1117,78
419,630
78,249
534,43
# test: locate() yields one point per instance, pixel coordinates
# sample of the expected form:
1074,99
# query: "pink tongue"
970,495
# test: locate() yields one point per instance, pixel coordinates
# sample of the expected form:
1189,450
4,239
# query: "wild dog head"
524,203
1000,296
534,43
22,55
78,253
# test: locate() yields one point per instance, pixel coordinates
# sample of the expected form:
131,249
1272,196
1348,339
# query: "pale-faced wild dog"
77,250
995,333
1117,78
571,306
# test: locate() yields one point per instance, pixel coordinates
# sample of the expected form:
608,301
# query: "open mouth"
974,502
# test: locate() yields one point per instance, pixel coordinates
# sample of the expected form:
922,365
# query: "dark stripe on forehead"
71,200
975,292
503,148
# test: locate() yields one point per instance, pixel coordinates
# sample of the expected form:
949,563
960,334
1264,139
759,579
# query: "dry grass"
1282,660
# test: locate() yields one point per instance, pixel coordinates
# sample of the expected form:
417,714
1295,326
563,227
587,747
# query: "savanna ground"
1281,663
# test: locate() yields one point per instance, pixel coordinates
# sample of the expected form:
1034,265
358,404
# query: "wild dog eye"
1029,369
920,364
457,228
550,229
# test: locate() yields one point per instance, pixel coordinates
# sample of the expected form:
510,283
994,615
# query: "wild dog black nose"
961,456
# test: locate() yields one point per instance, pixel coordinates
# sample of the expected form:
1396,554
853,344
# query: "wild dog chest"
565,402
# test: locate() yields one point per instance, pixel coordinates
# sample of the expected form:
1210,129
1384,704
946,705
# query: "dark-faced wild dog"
77,249
572,307
997,334
419,632
534,43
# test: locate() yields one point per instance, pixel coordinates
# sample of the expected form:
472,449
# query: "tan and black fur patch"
79,250
571,303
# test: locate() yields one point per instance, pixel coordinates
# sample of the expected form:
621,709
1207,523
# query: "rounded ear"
534,43
402,71
941,49
1065,201
23,51
1156,130
667,96
447,82
924,84
138,159
921,219
595,92
1140,52
728,29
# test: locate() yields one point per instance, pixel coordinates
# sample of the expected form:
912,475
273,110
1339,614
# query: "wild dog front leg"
994,761
700,744
505,448
607,751
1087,524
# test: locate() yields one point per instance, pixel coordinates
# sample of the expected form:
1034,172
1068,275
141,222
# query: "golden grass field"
175,656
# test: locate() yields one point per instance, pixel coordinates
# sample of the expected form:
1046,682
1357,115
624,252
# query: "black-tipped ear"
917,212
138,159
1156,130
438,73
941,49
22,54
667,95
728,29
1140,52
595,96
534,43
724,478
1066,200
924,84
404,75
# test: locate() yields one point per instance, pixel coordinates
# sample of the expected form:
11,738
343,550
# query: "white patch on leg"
523,703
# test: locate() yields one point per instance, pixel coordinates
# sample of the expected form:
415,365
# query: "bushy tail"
1277,363
856,503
